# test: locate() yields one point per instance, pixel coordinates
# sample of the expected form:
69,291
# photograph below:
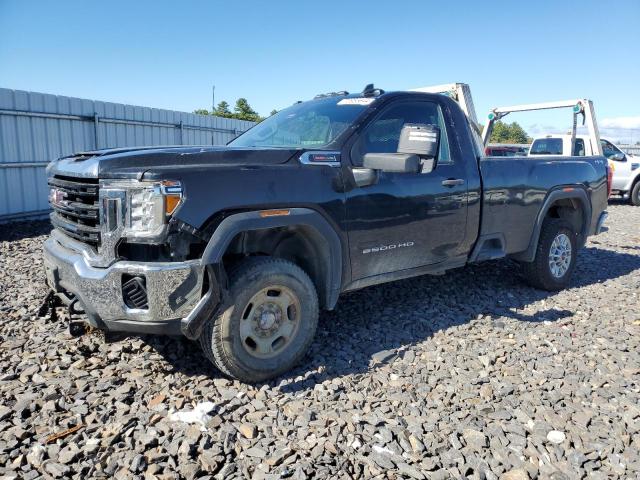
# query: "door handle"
452,182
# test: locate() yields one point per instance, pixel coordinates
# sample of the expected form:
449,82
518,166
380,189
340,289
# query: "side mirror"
417,151
618,157
392,162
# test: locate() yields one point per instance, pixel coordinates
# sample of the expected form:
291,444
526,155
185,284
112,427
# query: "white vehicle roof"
567,135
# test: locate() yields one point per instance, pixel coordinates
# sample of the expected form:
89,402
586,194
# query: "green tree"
508,133
222,110
273,112
243,111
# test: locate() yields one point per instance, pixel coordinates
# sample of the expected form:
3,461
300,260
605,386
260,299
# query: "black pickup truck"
239,247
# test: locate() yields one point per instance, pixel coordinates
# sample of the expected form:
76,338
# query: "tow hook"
77,328
48,306
47,309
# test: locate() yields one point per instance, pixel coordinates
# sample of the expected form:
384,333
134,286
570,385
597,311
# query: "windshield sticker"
356,101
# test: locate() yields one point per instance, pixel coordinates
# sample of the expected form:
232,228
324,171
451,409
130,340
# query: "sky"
169,54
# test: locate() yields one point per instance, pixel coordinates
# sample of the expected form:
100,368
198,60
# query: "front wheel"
268,323
555,258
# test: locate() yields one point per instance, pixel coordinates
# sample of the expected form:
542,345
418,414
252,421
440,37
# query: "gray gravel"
469,375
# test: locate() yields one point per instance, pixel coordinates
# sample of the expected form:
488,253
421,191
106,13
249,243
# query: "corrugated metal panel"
36,128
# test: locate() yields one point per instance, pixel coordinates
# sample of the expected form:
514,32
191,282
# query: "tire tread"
211,338
536,273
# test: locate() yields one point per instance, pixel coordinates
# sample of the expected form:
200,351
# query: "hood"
136,162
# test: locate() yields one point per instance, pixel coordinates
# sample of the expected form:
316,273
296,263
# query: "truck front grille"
75,206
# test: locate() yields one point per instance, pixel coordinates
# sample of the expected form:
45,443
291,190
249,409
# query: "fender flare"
247,221
561,193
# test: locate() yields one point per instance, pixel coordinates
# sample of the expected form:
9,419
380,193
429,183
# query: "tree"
243,111
273,112
222,110
508,133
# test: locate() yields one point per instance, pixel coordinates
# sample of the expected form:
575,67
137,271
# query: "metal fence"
632,149
36,128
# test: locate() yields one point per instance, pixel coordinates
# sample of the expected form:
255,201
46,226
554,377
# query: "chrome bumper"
173,288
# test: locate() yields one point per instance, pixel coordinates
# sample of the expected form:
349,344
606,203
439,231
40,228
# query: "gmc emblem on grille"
57,197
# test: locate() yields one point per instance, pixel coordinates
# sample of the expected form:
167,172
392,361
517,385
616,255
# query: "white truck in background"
625,166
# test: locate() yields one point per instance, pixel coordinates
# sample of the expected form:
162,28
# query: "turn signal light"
274,213
171,203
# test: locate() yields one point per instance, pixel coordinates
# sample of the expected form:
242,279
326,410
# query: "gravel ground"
468,375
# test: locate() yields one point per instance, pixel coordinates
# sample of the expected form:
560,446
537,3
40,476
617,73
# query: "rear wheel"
555,257
268,323
634,196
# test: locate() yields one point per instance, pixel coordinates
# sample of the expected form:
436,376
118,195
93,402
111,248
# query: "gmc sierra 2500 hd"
239,247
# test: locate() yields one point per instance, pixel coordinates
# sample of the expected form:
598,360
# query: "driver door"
405,220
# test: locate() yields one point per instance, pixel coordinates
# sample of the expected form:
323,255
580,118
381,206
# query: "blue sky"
168,54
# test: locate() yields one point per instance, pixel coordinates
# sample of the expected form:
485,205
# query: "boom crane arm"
581,106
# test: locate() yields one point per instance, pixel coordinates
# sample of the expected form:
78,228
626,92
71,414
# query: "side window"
578,148
608,148
383,133
546,146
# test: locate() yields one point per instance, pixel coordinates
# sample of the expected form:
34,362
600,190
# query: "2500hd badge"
383,248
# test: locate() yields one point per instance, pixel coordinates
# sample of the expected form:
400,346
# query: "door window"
609,149
383,134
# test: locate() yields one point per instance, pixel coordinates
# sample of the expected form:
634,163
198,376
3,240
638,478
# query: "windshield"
312,124
546,146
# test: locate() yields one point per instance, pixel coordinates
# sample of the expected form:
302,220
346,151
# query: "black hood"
145,161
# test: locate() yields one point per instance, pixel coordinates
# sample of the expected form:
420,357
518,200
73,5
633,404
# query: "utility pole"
213,99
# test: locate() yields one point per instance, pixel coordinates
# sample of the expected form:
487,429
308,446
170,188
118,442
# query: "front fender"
256,220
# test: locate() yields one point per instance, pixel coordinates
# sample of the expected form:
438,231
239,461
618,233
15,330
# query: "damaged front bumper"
175,301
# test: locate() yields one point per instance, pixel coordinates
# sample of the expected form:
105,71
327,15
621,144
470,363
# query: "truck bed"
515,190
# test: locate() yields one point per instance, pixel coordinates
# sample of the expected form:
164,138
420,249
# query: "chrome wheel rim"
560,255
270,321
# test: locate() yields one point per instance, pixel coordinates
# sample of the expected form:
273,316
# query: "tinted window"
578,148
546,146
383,134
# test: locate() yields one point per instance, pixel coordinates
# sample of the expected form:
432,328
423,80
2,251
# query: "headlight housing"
142,209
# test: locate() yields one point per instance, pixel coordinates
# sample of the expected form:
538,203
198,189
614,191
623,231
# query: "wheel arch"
301,235
569,202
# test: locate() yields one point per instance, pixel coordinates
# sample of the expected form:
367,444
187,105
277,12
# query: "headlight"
147,206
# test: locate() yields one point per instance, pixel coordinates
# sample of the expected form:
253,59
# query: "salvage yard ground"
468,375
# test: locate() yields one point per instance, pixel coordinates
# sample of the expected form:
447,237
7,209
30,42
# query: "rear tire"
634,196
555,258
268,323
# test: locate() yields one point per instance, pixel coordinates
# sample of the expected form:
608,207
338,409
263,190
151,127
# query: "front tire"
555,258
634,196
268,323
